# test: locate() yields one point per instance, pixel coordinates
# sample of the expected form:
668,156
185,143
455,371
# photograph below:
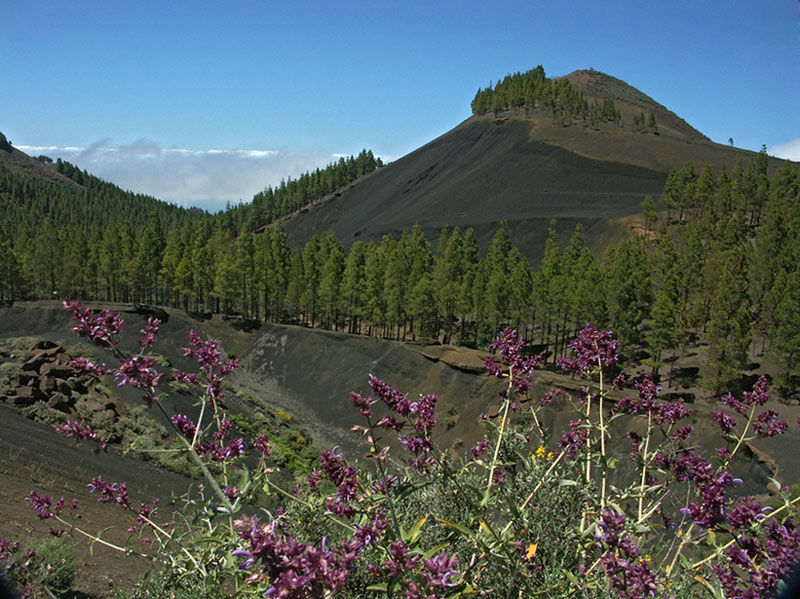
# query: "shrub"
530,513
49,565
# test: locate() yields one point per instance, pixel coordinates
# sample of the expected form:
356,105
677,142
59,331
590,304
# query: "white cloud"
789,150
204,178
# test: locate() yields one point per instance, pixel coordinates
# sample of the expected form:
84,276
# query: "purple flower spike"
102,328
592,349
149,332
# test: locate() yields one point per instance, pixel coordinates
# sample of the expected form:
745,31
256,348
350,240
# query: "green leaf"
434,550
416,530
457,527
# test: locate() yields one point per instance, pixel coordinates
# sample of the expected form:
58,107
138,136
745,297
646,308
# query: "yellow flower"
540,452
530,552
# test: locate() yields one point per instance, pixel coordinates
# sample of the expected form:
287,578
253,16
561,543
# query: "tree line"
533,89
718,261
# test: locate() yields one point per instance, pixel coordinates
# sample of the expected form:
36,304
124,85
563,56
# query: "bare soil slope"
527,168
309,373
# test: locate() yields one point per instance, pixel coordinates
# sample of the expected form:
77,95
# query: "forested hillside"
718,256
66,232
533,89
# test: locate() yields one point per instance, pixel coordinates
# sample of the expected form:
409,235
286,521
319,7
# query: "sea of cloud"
207,179
789,150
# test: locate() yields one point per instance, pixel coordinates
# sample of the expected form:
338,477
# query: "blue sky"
202,102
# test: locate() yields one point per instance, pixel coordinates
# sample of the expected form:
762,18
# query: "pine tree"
394,284
295,289
650,214
496,265
354,286
10,278
447,276
280,274
375,273
628,290
784,329
309,301
729,326
331,284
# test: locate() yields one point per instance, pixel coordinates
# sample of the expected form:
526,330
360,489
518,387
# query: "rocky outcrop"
39,371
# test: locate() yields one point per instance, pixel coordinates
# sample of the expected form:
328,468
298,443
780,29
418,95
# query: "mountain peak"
631,101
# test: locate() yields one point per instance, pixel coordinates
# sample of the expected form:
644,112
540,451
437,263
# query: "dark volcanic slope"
484,171
527,168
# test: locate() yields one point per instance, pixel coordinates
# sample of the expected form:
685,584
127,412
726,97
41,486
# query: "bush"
584,513
49,565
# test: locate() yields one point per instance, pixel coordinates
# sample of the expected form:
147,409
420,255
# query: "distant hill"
527,164
33,189
19,163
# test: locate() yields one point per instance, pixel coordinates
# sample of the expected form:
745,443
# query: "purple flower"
510,349
592,349
364,404
423,410
394,400
746,512
671,412
261,444
648,391
314,479
41,505
574,440
758,396
344,476
479,449
371,532
138,372
187,378
499,476
724,421
230,492
77,430
102,329
289,568
185,425
85,366
110,493
768,425
416,445
547,398
439,570
400,561
149,332
627,574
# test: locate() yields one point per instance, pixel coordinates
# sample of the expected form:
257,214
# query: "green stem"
742,436
499,439
97,539
382,471
331,517
602,439
644,464
199,463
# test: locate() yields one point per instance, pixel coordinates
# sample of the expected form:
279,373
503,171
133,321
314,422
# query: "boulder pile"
41,372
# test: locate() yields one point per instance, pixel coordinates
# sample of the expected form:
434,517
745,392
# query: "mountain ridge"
527,166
